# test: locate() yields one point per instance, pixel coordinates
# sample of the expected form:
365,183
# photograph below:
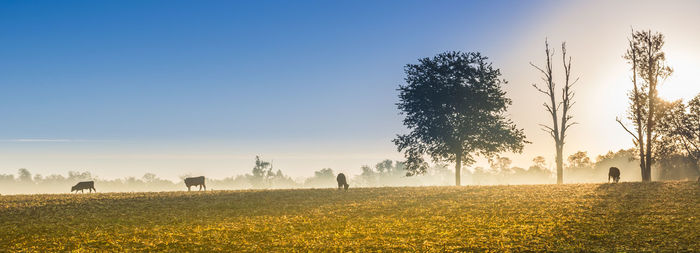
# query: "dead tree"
559,125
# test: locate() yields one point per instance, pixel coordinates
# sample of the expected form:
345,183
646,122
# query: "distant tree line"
677,161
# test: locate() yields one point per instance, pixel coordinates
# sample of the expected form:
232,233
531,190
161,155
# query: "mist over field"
580,169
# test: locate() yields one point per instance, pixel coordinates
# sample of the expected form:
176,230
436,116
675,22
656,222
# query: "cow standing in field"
195,181
342,182
90,185
614,173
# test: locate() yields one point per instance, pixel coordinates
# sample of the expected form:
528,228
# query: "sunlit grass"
591,217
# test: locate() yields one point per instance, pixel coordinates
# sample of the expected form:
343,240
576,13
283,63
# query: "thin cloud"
52,140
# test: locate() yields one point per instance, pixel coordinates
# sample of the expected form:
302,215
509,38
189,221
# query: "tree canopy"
455,109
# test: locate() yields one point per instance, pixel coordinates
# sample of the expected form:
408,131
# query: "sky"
122,88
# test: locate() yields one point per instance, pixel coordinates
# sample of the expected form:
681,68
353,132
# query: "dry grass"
660,216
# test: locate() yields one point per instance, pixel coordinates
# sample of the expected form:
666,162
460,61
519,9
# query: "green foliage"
623,217
455,108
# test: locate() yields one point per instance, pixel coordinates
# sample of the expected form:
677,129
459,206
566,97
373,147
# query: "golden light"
684,83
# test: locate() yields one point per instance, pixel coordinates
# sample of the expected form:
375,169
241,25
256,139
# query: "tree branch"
624,127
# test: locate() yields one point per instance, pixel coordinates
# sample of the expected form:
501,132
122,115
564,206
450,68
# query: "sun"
684,83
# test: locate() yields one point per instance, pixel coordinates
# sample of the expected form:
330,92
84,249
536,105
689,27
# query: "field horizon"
631,216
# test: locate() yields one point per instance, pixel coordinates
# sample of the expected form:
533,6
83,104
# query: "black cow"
90,185
342,182
614,173
195,181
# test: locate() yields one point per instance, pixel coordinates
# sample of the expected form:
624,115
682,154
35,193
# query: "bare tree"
636,106
649,64
559,125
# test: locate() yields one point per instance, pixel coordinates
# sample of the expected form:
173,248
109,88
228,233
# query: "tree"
539,162
455,108
680,128
501,165
322,178
24,175
279,179
678,152
385,167
558,128
580,159
580,167
149,178
262,171
538,172
368,176
648,66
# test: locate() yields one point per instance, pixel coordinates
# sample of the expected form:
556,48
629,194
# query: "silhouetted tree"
580,159
322,178
579,166
648,65
558,128
149,177
680,128
538,172
261,173
455,109
368,177
6,179
678,151
539,161
501,164
24,175
75,176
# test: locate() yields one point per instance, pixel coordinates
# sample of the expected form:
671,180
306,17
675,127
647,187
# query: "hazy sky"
121,88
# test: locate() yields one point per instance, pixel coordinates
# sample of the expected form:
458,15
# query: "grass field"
660,216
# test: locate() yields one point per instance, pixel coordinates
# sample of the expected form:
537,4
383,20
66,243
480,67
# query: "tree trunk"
651,99
560,164
458,170
642,158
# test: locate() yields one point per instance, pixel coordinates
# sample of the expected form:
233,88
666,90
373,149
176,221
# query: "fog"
580,168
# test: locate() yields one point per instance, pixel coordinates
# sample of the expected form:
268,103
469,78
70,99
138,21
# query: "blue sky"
151,70
123,87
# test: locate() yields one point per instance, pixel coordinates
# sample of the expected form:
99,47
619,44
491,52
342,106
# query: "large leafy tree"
455,109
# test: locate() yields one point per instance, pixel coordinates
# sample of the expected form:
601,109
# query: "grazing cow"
195,181
342,182
90,185
614,173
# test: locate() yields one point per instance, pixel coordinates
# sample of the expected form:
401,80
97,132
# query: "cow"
614,173
81,186
195,181
342,182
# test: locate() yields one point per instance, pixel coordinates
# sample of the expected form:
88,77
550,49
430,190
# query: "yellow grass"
592,217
